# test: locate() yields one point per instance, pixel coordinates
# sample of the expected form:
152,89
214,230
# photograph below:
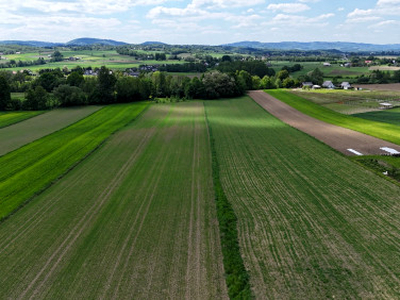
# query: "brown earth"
337,137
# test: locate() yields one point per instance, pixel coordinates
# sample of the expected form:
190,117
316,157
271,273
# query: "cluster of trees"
378,76
254,67
12,63
186,67
53,88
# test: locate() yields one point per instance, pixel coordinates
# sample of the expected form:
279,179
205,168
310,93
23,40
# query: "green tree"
105,91
128,89
159,84
282,75
57,56
5,95
36,99
70,95
317,76
75,79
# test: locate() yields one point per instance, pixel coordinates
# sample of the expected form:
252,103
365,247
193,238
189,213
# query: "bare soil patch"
337,137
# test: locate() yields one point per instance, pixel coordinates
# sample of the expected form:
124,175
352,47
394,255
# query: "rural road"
347,141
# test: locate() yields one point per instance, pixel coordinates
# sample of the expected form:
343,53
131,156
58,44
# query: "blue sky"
202,21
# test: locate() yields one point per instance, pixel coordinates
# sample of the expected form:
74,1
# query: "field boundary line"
237,277
73,166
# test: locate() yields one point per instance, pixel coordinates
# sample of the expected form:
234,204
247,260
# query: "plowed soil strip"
337,137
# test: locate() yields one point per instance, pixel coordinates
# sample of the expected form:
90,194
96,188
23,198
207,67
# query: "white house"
345,85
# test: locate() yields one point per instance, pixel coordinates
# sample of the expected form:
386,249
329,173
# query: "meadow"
309,228
391,116
388,132
30,169
136,219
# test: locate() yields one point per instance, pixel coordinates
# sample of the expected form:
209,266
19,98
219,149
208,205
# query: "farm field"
22,133
30,169
347,141
391,116
381,87
12,117
136,219
350,102
388,132
311,223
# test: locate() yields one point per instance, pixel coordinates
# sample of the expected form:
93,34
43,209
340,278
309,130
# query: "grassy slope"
9,118
381,130
33,167
25,132
391,116
309,228
135,220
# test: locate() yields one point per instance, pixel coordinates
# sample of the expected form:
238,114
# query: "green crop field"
30,169
13,137
136,219
312,224
381,130
391,116
12,117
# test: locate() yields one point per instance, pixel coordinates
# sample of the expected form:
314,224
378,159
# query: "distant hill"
30,43
92,41
153,43
341,46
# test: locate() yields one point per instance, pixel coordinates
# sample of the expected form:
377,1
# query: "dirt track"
337,137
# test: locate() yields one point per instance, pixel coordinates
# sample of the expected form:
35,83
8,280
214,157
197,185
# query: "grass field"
312,224
20,134
12,117
391,116
348,101
135,220
388,132
30,169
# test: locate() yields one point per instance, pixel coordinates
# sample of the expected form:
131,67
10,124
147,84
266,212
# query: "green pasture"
136,219
381,130
32,168
391,116
350,101
312,224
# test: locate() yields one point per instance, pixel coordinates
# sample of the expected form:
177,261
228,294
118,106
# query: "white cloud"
288,7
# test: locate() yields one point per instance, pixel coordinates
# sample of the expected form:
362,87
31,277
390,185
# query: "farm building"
345,85
307,84
316,87
326,64
328,85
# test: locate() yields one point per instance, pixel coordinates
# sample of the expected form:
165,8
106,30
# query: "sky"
210,22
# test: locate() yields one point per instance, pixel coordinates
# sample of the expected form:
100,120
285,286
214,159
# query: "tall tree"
5,95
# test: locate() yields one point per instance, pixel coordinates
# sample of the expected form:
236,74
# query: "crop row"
30,169
311,224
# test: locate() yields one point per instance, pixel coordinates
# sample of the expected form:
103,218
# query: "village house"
345,85
307,85
326,64
328,85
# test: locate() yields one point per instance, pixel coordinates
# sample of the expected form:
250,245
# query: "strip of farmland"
391,116
136,219
347,141
22,133
311,224
388,132
9,118
27,171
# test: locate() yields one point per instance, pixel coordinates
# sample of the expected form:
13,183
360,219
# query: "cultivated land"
381,87
9,118
312,224
135,220
391,116
30,169
22,133
380,130
339,138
